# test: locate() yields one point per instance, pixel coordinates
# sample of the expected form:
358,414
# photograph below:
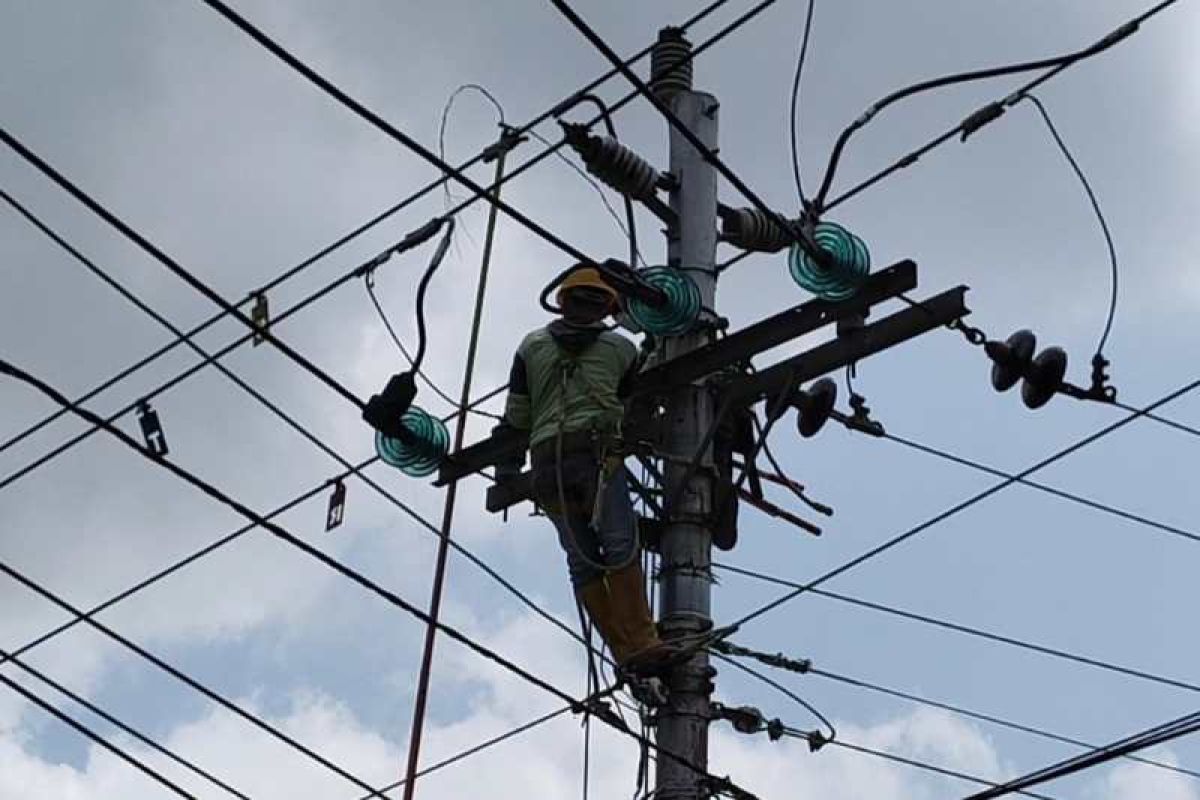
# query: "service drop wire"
794,138
987,114
585,705
1091,195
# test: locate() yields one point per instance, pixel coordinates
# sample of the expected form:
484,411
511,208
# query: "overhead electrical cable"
983,115
130,730
967,503
794,105
1182,726
1091,195
290,421
95,737
1054,66
970,631
988,718
328,561
725,31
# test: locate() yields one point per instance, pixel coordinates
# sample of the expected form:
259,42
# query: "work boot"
644,653
599,604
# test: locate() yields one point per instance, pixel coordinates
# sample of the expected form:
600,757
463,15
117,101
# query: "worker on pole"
566,388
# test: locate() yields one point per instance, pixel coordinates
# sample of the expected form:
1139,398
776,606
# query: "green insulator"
420,456
679,313
851,263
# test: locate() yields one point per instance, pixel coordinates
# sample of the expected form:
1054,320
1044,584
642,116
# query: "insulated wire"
971,631
95,737
112,720
779,687
794,139
1158,735
1087,187
967,503
298,543
719,35
962,127
988,718
1054,65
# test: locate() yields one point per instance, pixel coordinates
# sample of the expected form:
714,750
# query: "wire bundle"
851,263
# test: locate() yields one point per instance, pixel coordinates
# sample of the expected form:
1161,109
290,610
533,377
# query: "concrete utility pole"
686,578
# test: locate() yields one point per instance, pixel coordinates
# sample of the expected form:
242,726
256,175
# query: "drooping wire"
779,687
983,115
587,704
1054,65
475,87
1087,187
795,105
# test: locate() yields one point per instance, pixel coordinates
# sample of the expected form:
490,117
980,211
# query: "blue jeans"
612,545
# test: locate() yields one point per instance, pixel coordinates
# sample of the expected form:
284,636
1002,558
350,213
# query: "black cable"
1170,423
112,720
912,762
387,128
725,31
795,105
1087,187
1055,65
158,255
145,654
988,718
1182,726
330,562
970,501
95,737
982,116
971,631
1042,487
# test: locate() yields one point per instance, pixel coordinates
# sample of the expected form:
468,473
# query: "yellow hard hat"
585,276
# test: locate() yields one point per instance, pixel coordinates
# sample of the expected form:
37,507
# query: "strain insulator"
612,162
670,64
752,229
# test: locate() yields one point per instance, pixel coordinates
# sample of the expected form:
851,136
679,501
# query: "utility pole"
685,589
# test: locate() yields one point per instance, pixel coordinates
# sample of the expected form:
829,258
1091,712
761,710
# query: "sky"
239,170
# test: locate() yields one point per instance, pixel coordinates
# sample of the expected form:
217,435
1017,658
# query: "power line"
158,255
1154,736
984,115
112,720
345,239
1054,66
95,737
970,631
1042,487
359,271
794,126
347,572
387,128
1091,195
988,718
967,503
302,430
